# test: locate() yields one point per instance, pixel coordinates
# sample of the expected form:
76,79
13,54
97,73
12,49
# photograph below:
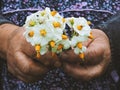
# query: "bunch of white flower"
45,30
81,31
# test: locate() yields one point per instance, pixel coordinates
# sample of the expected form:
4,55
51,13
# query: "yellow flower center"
37,49
52,44
79,45
63,19
64,37
79,27
88,22
60,46
31,23
43,32
81,55
90,36
31,33
42,13
53,13
56,24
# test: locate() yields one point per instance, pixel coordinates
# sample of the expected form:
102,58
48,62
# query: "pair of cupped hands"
22,61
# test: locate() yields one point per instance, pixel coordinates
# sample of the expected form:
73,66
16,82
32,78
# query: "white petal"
54,49
76,50
44,41
43,50
84,48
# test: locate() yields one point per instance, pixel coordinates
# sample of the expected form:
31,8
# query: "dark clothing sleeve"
3,20
112,29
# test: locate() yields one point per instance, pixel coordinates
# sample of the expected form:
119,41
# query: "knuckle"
43,71
25,70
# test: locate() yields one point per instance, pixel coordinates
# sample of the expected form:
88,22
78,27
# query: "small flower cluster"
46,31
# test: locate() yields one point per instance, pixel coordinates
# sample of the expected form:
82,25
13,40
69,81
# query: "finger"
24,76
84,73
11,70
26,47
14,70
97,49
49,60
46,59
70,57
94,53
27,78
88,42
28,66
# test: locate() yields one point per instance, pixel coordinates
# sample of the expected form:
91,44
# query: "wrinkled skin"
22,61
97,58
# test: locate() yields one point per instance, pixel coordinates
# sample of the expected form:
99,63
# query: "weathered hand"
97,58
19,58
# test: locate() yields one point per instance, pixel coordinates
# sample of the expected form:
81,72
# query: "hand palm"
97,58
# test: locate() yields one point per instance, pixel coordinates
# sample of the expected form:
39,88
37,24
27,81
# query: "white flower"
45,34
81,26
39,17
58,26
31,35
57,49
76,39
42,16
70,21
31,21
61,45
45,30
54,14
79,51
65,42
43,50
40,50
76,44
